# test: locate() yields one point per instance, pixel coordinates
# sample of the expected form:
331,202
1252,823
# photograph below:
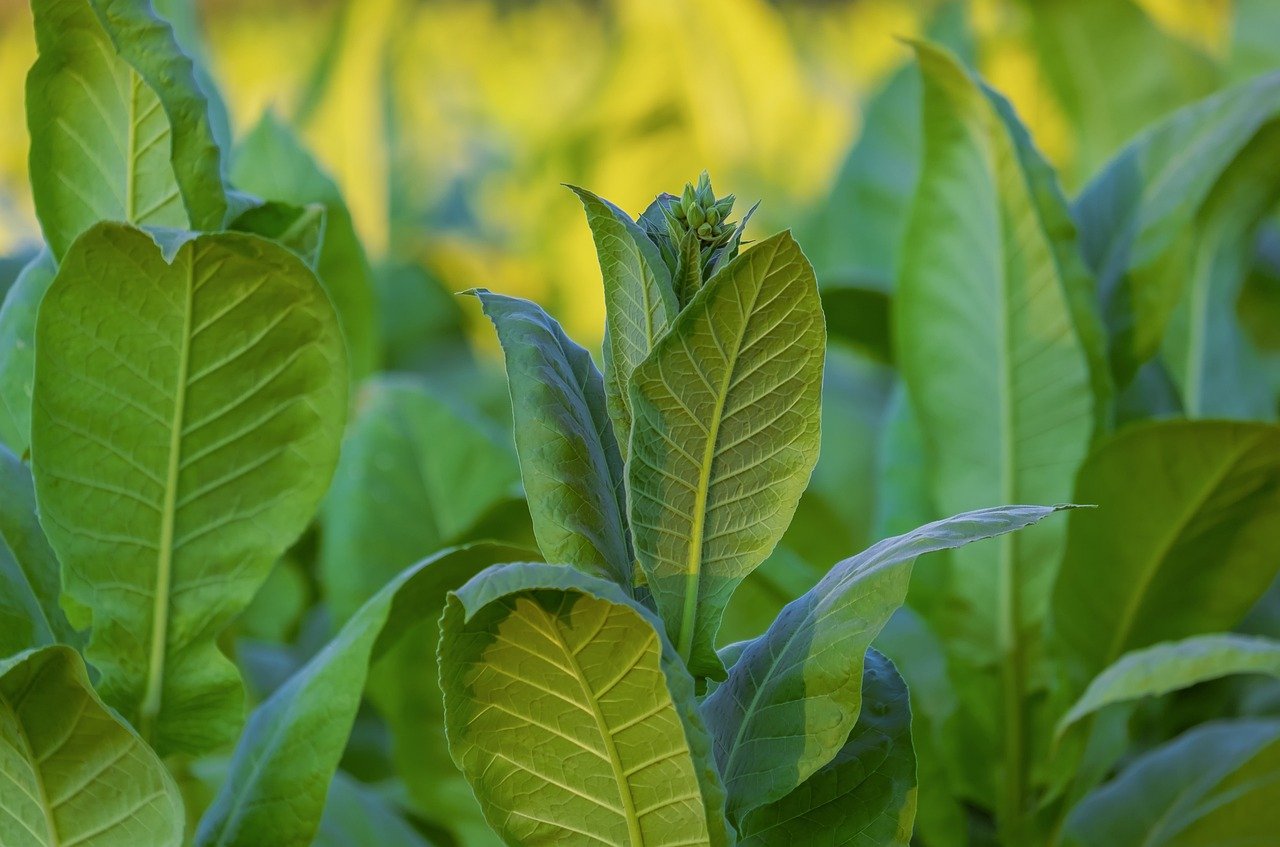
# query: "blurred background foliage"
449,124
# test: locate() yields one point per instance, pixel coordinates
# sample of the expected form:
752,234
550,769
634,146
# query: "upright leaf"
795,694
18,350
1182,543
988,344
29,581
75,773
569,456
866,794
725,437
572,717
639,301
119,127
417,472
285,761
271,162
1213,786
188,411
1135,216
1173,665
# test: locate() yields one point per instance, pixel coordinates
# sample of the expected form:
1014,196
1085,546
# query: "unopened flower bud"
697,218
705,231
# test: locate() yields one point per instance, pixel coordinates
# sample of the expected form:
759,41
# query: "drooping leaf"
571,715
725,437
188,411
1135,215
75,773
300,228
1182,543
29,583
989,345
417,472
284,762
569,457
356,816
17,350
639,301
1173,665
119,127
1213,786
866,795
271,162
795,694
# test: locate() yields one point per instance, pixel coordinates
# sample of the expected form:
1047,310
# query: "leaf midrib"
151,701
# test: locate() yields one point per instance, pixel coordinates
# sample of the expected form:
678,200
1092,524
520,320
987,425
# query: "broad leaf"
271,162
725,437
866,795
569,457
990,343
17,350
284,762
1213,786
572,717
795,694
1173,665
29,584
76,774
1134,216
119,126
639,302
417,472
187,418
1182,543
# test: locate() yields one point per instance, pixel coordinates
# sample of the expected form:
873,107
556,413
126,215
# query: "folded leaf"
29,582
569,457
725,437
17,350
271,162
1182,543
417,472
284,762
76,773
1134,216
188,412
572,717
119,127
639,302
796,692
867,793
1173,665
1213,786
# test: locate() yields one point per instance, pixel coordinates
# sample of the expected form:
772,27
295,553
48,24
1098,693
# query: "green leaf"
29,577
795,694
18,350
639,302
187,419
271,162
357,816
571,716
119,127
688,274
1171,666
1136,216
859,317
1211,787
867,793
989,345
417,472
1182,543
725,437
300,228
569,455
284,762
76,773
